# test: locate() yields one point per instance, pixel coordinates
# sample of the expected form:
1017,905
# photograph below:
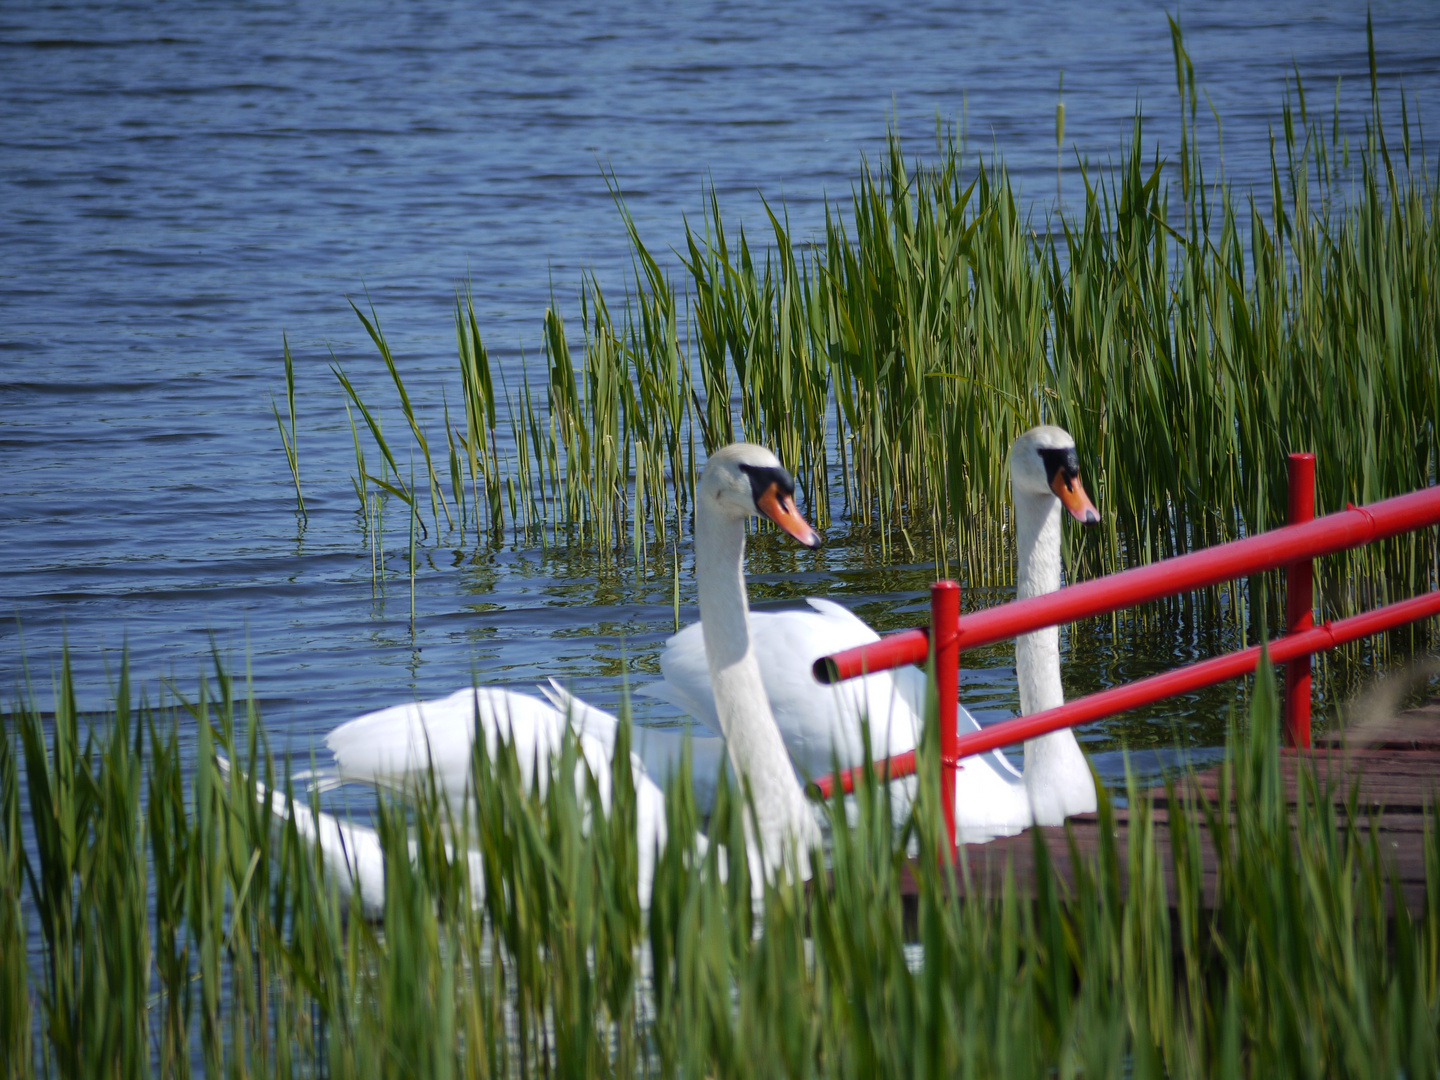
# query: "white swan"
1044,477
396,747
821,725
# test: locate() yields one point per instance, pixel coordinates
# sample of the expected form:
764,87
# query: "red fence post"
945,647
1299,603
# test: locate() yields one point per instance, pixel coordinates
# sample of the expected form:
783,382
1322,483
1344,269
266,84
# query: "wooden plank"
1417,729
1399,780
986,866
1395,783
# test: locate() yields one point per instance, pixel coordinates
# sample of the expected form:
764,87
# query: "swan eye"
764,477
1062,466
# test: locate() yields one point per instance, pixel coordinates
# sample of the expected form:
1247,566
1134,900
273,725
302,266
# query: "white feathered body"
394,747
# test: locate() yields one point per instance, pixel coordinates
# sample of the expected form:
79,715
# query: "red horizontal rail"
891,651
1166,684
1324,536
891,768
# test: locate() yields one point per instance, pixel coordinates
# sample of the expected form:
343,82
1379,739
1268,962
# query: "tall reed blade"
288,439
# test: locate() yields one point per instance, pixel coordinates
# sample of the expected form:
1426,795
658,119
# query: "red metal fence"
1293,546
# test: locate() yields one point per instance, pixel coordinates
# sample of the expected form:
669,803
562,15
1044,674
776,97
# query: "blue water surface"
182,183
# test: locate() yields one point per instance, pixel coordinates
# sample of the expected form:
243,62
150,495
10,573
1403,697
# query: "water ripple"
181,183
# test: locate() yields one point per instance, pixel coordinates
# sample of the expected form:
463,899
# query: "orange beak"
779,508
1071,493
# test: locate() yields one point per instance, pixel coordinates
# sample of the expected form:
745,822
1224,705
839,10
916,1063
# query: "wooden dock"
1396,765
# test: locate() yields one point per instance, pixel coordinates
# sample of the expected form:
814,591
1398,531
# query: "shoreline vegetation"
157,921
1188,335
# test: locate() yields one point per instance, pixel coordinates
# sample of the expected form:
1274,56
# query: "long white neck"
752,738
1037,655
1057,776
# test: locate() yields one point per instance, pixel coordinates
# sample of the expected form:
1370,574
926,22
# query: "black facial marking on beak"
1062,474
763,476
773,490
1064,462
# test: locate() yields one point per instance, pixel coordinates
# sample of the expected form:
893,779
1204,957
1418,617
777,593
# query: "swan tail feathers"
584,718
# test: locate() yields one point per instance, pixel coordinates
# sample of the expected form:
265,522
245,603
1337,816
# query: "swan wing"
817,723
351,854
596,731
586,719
993,760
686,677
660,749
395,747
910,686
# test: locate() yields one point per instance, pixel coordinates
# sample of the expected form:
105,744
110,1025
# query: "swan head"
743,480
1043,463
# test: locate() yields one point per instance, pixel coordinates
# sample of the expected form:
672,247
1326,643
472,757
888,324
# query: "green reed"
288,438
372,327
482,455
1189,335
390,480
157,921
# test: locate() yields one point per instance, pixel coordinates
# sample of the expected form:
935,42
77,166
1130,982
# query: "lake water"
181,183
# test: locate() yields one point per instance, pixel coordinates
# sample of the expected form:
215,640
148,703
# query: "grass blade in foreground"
1290,962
